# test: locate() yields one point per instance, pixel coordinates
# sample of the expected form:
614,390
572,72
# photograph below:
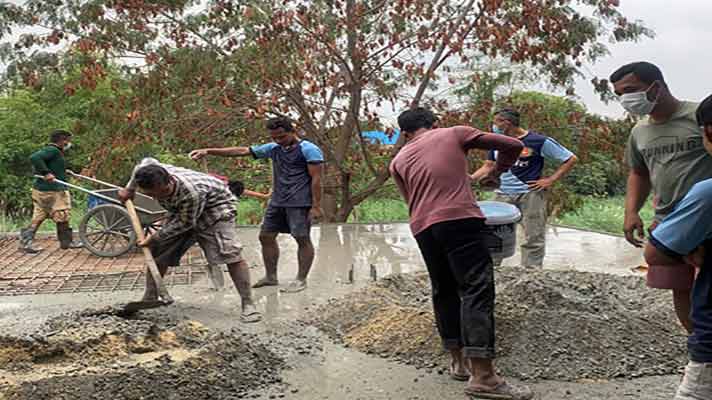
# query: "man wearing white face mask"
524,185
666,156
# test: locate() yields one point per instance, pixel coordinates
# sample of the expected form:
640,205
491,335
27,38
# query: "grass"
598,214
602,214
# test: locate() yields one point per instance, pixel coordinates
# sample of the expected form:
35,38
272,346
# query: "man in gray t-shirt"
665,155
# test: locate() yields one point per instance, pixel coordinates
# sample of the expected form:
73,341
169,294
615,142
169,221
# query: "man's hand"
541,184
634,224
126,194
145,242
198,154
316,213
50,177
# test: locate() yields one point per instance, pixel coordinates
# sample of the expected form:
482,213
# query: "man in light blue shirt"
684,238
524,186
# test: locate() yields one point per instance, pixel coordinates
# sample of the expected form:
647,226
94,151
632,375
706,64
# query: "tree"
336,65
28,116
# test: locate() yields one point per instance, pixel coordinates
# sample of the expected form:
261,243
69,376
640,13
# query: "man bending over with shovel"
201,209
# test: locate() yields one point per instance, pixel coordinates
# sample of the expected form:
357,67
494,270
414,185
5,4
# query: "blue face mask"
497,129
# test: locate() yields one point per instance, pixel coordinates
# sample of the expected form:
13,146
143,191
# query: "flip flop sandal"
249,317
503,391
294,287
458,377
264,283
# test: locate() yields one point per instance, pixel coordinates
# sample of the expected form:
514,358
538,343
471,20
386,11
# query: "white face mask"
637,103
67,146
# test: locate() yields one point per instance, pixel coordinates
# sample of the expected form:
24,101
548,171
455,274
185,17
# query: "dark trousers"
462,279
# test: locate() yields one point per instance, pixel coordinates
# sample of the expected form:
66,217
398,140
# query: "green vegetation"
597,214
602,214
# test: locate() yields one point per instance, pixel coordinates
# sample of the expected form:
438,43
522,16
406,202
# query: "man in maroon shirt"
431,174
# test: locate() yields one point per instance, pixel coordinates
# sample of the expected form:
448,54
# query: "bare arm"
315,173
564,169
545,183
637,191
256,195
485,170
239,151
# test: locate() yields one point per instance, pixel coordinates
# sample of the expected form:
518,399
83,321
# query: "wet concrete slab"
341,373
385,248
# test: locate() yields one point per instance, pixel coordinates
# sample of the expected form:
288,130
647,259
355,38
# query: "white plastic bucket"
501,222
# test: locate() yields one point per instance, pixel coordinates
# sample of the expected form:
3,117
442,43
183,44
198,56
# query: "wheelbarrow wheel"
106,231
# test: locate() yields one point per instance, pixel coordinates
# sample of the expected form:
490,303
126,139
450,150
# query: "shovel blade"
135,306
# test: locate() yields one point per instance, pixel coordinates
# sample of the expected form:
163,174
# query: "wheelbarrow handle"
87,191
90,179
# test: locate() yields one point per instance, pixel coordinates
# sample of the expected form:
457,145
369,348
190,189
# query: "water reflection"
392,249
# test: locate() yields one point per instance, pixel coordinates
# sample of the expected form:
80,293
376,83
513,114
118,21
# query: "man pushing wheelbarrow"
201,209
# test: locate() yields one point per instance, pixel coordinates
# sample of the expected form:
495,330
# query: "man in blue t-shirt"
296,196
685,237
523,185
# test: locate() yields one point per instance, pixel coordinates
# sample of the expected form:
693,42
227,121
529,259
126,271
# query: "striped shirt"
198,202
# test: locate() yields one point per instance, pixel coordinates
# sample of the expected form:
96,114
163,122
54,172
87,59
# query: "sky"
683,40
683,37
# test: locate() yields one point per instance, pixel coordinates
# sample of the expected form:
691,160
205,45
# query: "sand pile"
550,325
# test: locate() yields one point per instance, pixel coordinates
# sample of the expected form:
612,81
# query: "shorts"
676,277
292,220
54,205
218,242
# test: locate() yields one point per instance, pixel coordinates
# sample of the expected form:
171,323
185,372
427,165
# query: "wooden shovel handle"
148,257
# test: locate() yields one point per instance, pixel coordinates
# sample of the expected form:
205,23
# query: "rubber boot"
65,236
27,236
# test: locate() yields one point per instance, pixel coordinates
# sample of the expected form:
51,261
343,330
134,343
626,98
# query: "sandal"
503,391
265,282
250,315
458,377
294,286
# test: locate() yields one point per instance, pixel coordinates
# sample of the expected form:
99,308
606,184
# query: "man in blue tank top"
524,186
296,196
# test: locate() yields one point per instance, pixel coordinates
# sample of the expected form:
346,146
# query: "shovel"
164,298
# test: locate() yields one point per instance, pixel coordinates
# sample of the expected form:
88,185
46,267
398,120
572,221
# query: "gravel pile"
550,325
97,354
